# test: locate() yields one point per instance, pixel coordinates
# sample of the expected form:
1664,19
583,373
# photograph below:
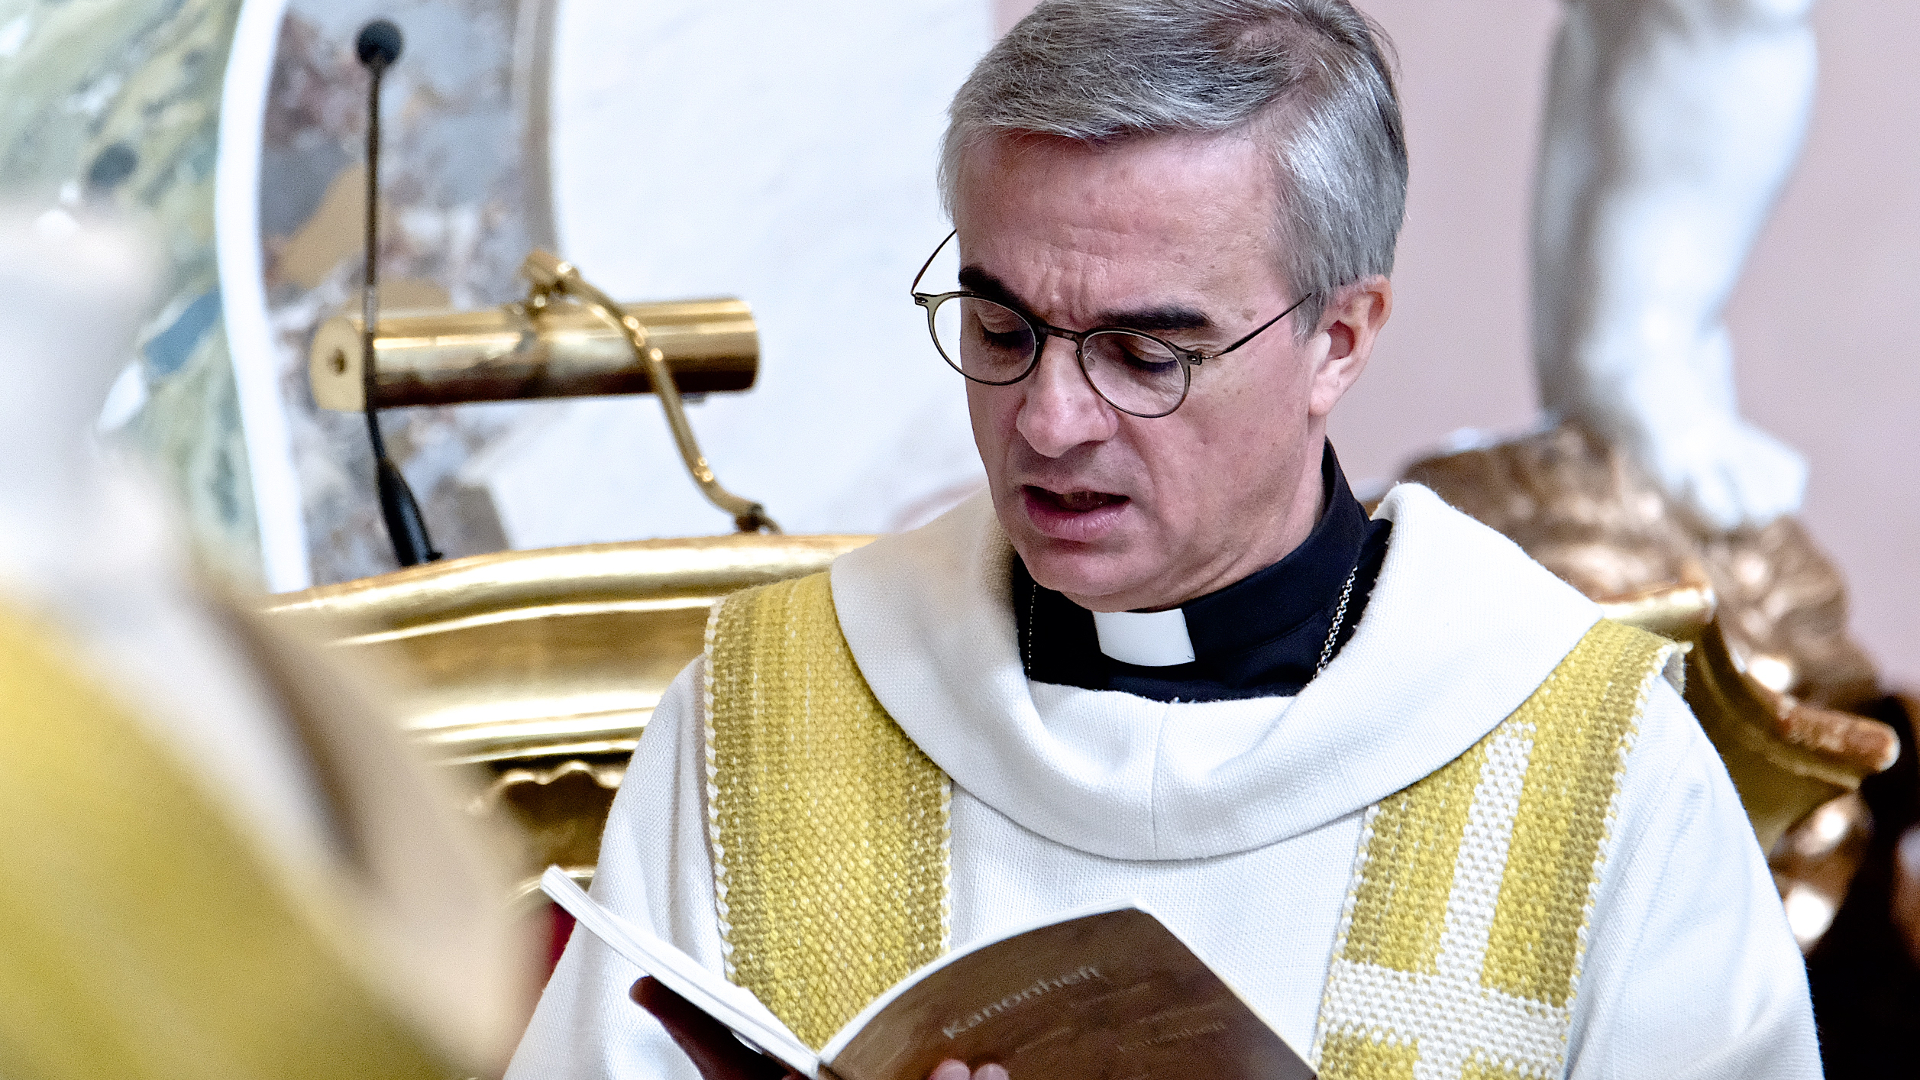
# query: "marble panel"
462,201
112,107
784,153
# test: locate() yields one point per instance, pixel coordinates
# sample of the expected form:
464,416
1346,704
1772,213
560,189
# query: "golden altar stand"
541,667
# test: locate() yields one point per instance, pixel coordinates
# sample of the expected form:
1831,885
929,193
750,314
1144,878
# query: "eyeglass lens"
996,345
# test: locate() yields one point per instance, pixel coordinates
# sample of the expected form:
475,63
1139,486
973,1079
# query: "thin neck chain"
1339,619
1033,606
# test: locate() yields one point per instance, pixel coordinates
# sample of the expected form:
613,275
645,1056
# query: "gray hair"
1310,78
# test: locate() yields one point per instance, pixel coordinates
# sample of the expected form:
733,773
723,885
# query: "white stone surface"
263,411
783,153
1671,126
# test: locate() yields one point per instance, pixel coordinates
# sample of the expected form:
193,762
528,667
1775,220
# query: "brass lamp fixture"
544,348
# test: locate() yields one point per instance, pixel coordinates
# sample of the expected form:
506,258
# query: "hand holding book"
719,1056
1108,991
957,1070
708,1043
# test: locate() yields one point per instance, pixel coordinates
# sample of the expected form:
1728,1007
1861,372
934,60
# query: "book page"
734,1006
1108,996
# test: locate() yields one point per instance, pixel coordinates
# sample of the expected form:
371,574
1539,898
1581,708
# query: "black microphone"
378,46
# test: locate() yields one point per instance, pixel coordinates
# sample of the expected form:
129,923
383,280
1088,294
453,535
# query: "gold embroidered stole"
1465,925
1459,948
828,826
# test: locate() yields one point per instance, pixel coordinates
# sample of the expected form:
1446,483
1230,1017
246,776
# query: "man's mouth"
1079,516
1075,502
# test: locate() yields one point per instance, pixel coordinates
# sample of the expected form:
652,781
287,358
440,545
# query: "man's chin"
1085,573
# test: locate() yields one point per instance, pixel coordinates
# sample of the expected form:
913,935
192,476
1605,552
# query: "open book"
1102,994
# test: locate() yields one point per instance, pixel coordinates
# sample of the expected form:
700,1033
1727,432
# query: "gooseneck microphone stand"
378,46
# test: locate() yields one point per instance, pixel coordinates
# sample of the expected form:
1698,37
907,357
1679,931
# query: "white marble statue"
1670,128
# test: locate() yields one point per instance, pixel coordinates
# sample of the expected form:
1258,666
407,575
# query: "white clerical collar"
1144,638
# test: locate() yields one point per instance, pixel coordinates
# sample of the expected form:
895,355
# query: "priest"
1406,791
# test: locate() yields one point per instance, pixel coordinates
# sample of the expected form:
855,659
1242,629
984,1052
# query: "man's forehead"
1224,168
1166,221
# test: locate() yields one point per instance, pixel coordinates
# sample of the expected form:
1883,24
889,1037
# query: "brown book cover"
1103,994
1112,995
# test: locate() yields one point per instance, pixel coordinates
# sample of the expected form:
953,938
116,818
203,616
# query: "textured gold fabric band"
140,938
1460,947
829,827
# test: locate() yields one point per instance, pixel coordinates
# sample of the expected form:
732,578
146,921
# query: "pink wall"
1455,355
1823,323
1828,320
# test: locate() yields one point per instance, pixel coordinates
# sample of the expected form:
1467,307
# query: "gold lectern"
542,667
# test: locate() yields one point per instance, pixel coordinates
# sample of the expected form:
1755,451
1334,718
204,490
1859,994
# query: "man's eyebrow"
1170,317
987,287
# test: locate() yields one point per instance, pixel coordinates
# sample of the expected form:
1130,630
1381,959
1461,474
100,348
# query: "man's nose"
1060,409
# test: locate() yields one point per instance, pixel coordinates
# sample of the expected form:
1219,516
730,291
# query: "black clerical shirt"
1259,637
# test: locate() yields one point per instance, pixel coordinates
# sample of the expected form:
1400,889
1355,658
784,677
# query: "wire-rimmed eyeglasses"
997,345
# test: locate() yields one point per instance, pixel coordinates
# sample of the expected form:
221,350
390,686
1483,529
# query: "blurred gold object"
154,931
513,352
1771,670
545,665
1785,605
1814,864
1786,757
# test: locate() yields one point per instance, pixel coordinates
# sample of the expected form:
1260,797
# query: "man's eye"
1153,365
1138,354
1000,324
1000,328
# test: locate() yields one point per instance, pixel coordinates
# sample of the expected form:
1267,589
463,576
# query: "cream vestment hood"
1479,626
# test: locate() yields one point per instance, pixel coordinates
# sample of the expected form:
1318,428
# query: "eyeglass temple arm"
1257,331
914,289
549,276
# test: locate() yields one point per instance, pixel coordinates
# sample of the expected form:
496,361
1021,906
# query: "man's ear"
1351,323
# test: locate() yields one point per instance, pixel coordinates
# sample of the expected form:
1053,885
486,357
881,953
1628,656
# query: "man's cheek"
993,428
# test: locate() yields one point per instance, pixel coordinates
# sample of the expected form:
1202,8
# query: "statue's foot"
1729,472
1724,470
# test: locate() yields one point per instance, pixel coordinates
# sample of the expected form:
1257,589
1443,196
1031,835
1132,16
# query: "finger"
990,1071
950,1070
707,1042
